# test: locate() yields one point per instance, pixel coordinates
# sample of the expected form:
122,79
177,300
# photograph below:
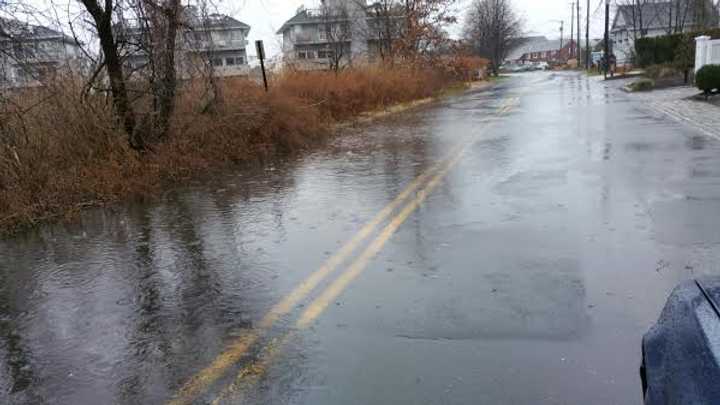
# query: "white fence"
707,52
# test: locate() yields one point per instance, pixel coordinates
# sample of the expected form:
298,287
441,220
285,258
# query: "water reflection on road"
528,276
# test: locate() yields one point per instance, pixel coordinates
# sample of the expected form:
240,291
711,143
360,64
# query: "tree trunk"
640,18
119,93
167,83
114,68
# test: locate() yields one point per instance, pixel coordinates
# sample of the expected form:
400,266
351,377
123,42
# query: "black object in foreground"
681,353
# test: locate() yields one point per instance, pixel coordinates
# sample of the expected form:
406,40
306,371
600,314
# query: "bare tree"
163,24
636,10
384,28
409,29
337,30
492,28
155,34
423,28
102,16
695,14
198,36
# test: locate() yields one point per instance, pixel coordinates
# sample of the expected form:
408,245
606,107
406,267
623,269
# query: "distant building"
344,29
32,54
541,49
632,22
217,39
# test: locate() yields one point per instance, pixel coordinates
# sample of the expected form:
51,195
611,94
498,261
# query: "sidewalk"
676,103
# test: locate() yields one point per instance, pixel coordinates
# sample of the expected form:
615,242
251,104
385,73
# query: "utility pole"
587,38
607,37
579,47
572,27
562,27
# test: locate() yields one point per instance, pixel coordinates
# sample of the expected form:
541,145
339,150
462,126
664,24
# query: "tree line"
412,30
672,16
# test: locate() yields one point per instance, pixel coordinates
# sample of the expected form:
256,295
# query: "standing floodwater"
528,275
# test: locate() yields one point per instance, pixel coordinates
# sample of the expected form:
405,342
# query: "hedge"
708,78
664,49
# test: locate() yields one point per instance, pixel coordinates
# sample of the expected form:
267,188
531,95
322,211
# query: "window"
302,55
325,54
236,35
217,62
234,61
29,74
21,75
24,51
219,36
201,36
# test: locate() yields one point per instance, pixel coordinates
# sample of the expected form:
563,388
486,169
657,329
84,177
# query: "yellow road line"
202,380
238,349
306,287
251,373
318,306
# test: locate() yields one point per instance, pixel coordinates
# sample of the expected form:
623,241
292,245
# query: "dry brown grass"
351,92
60,153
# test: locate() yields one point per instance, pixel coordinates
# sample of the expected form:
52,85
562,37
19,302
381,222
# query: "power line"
598,8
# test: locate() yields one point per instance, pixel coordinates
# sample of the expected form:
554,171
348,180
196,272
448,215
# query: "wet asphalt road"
526,275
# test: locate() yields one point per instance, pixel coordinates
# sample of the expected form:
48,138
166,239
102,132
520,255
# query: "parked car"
681,353
516,68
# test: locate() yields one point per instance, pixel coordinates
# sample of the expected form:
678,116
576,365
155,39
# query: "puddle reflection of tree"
16,356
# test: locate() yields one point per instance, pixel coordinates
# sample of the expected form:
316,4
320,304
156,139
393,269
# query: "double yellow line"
419,189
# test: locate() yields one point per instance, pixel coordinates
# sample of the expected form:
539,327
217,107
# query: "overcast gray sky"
267,16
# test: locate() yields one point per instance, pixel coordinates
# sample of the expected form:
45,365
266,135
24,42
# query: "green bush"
642,85
657,50
676,48
708,78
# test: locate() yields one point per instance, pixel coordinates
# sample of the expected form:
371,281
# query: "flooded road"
508,245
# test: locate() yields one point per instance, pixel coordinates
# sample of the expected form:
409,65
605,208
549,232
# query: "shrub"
708,78
684,57
351,92
60,151
642,85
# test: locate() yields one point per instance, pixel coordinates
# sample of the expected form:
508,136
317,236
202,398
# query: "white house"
655,19
218,39
31,54
338,29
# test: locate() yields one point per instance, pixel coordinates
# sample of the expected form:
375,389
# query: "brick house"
541,49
